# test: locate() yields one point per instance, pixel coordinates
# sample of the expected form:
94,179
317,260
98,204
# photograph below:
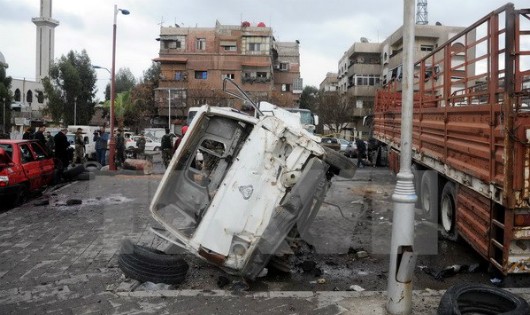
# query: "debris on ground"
72,202
356,288
222,282
450,270
321,281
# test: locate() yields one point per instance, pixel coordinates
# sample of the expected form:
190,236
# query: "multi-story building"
366,66
330,83
194,62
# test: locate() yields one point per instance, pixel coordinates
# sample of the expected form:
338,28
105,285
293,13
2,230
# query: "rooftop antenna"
161,22
421,13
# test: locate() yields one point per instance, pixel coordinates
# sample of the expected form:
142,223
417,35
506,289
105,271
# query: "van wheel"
148,264
481,299
429,195
340,165
448,212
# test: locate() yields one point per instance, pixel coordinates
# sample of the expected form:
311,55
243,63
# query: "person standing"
120,147
50,144
166,148
101,139
140,144
179,139
61,148
79,146
361,152
27,134
39,135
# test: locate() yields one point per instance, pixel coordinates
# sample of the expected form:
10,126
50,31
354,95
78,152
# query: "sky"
325,29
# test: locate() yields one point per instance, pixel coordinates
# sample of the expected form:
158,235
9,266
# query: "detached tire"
92,166
148,264
339,164
481,299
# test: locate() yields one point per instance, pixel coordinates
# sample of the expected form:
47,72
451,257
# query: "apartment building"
365,67
194,62
330,83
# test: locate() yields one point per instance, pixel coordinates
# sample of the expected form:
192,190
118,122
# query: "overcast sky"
325,29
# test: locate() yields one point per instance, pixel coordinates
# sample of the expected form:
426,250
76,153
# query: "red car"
25,167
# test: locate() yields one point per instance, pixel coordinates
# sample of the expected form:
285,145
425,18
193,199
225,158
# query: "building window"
426,47
261,74
286,87
254,46
228,75
174,44
29,96
180,76
40,97
201,44
17,95
201,75
230,48
366,80
284,66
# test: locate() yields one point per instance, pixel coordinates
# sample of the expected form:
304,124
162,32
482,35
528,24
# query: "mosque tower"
45,39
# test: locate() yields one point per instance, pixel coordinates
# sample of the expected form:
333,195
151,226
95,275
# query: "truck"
471,136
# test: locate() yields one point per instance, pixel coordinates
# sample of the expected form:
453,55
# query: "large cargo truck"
471,136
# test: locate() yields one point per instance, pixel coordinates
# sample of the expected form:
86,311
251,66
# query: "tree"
308,99
335,111
5,99
143,99
125,81
70,87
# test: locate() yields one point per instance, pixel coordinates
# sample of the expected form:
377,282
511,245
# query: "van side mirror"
316,119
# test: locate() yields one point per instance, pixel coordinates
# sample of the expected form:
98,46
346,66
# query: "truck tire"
148,264
448,212
340,165
481,299
429,195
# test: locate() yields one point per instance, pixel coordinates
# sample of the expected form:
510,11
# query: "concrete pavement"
62,259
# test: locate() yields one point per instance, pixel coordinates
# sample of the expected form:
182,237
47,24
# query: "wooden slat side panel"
473,219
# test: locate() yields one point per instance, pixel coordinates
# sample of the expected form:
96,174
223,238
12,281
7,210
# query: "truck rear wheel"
429,195
448,212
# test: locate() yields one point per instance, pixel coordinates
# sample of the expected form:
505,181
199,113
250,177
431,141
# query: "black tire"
73,172
157,149
448,212
429,195
86,176
340,165
481,299
147,264
92,166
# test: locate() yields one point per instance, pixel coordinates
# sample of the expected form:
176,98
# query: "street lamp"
112,141
100,67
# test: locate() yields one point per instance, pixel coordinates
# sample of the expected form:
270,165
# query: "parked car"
150,144
343,144
25,167
332,143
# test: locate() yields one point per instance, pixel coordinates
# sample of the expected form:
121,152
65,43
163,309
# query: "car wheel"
20,197
448,212
429,195
339,164
148,264
157,149
481,299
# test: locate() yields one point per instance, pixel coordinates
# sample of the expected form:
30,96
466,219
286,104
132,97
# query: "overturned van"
259,180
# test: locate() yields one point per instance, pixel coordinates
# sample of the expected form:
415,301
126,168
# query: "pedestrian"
361,152
39,135
140,145
166,147
50,144
28,134
179,139
101,139
61,148
120,147
79,146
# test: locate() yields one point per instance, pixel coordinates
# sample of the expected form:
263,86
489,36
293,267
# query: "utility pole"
402,253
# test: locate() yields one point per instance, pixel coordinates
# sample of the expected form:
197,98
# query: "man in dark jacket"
361,152
61,147
39,135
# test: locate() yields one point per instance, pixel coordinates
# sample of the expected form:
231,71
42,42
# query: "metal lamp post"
112,141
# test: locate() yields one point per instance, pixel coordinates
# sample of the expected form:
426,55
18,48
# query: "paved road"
61,258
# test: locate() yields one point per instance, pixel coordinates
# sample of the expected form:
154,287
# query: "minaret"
45,39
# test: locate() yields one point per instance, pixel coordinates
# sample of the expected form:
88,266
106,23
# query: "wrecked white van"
259,179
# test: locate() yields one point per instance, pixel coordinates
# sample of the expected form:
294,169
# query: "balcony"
361,112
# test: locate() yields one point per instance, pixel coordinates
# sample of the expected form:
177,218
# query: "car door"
30,165
46,163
